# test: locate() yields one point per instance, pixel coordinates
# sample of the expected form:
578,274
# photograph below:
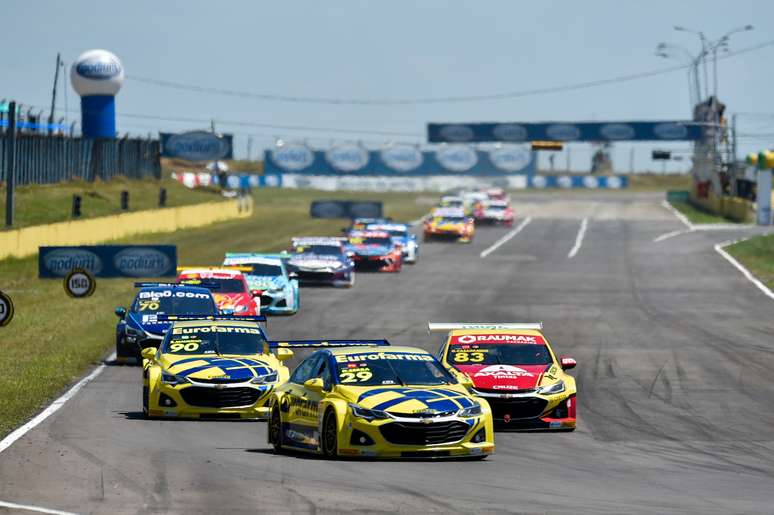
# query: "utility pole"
249,148
631,160
53,94
212,126
733,138
568,159
10,165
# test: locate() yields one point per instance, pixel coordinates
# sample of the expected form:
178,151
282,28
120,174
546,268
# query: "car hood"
215,367
266,282
410,399
314,261
232,300
147,323
448,227
504,377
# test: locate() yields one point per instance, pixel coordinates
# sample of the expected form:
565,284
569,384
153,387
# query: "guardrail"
46,159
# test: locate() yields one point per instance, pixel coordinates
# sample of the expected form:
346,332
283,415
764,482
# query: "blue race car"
400,235
139,328
269,274
321,260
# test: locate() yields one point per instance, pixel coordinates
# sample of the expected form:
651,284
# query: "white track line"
27,507
579,238
739,266
51,409
507,237
671,234
669,207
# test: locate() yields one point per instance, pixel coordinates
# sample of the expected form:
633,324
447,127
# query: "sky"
366,49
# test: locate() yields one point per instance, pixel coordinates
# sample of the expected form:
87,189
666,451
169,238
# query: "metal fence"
45,159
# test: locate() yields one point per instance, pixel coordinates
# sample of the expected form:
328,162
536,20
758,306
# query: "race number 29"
6,309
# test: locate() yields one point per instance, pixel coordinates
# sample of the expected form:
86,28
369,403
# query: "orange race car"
449,223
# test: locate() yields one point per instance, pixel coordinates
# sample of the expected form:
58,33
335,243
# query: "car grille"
315,276
213,398
417,433
217,380
501,392
529,407
266,300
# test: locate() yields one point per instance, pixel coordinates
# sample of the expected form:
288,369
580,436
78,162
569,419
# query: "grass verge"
757,254
699,216
44,204
53,339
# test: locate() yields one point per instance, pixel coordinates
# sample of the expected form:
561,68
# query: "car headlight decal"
367,414
265,379
551,389
471,411
173,379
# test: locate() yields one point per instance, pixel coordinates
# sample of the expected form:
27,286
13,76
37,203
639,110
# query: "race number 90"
79,283
6,309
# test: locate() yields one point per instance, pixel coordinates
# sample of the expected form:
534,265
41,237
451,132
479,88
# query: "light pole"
670,51
702,56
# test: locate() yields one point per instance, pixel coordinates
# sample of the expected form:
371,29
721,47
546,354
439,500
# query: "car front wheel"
330,436
275,429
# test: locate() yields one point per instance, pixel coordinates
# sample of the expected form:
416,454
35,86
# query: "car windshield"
219,285
173,302
320,250
371,240
504,354
265,269
206,339
391,368
495,208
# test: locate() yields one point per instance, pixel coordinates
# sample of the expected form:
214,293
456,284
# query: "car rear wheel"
330,435
275,429
145,401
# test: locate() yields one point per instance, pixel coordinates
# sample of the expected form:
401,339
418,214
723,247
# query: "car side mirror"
226,312
256,293
567,362
293,275
148,352
120,312
314,385
284,354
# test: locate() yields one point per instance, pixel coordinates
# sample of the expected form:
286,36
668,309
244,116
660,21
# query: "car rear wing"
311,344
227,318
445,327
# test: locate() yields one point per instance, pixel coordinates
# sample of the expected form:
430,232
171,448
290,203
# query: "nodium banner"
108,260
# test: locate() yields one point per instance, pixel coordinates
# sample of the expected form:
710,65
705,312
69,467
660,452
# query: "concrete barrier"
734,208
25,242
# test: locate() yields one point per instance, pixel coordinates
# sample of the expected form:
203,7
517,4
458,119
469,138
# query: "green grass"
658,182
757,254
44,204
699,216
53,339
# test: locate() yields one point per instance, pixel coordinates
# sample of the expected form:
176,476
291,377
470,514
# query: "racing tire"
330,436
145,402
274,429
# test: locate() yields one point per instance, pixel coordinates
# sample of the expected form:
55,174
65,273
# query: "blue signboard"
666,130
109,260
197,146
400,160
602,182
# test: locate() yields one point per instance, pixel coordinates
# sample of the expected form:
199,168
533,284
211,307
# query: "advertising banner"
400,160
602,182
197,146
666,130
109,260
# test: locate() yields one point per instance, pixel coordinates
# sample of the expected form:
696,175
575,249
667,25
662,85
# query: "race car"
513,367
452,201
358,224
375,250
228,286
497,194
321,260
400,235
396,402
471,198
268,274
493,212
449,223
212,368
139,327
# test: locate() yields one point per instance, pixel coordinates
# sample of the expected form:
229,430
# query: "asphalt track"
675,354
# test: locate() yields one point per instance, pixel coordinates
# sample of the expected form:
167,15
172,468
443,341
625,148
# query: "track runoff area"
674,387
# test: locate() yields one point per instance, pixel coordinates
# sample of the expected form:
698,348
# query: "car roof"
369,234
212,273
252,259
193,289
338,351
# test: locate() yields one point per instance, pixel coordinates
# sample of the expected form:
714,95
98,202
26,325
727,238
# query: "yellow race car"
395,402
514,368
449,224
216,367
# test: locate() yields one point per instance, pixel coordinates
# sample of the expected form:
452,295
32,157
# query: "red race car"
229,288
493,212
375,250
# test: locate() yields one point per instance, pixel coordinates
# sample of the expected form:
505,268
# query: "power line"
437,100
